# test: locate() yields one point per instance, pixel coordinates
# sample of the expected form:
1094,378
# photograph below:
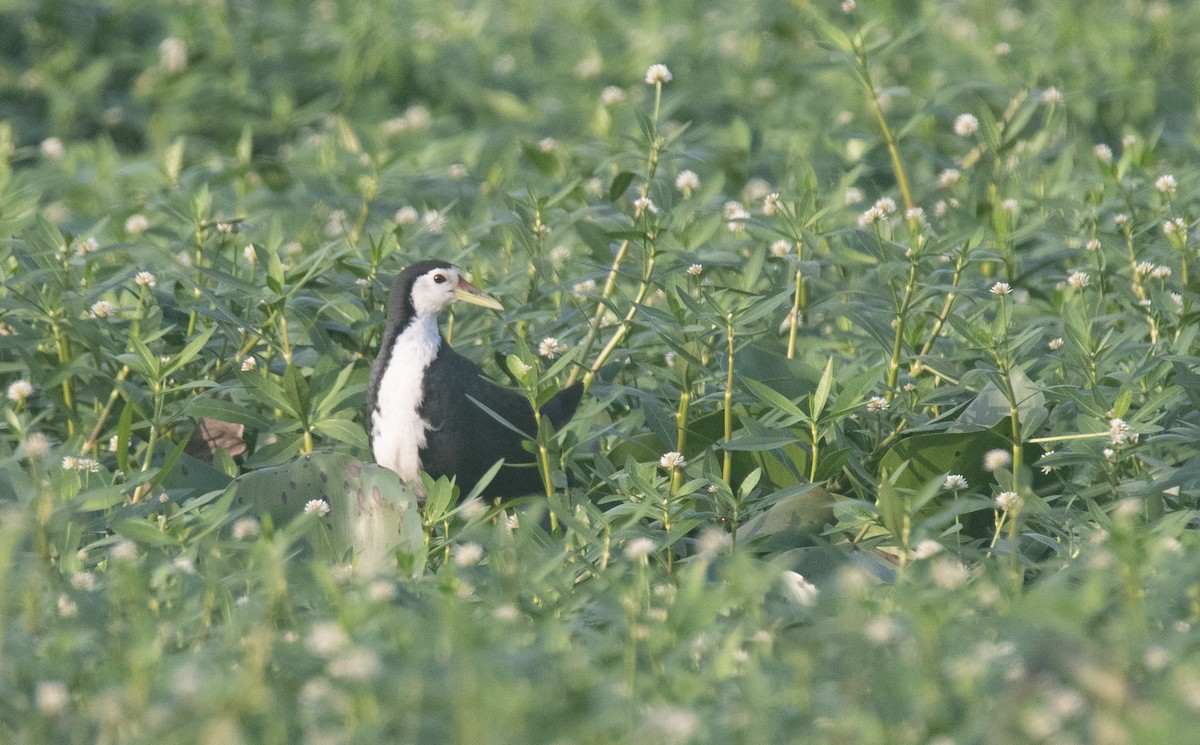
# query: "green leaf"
821,395
344,430
619,184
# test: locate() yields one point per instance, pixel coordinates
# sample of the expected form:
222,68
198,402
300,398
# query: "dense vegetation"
887,315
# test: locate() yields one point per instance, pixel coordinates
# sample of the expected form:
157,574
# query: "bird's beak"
469,293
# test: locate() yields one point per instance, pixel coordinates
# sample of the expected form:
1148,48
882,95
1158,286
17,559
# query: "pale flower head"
1103,153
770,204
1119,431
877,403
1055,344
136,224
657,73
1166,184
687,181
551,347
52,147
949,177
612,95
1077,279
1008,500
173,54
639,548
925,548
145,279
1001,288
948,573
1052,95
406,216
955,482
966,125
245,528
643,205
672,460
781,248
467,554
52,697
19,390
994,460
852,195
102,309
317,507
695,269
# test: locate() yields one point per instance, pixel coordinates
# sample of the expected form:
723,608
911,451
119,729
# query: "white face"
434,290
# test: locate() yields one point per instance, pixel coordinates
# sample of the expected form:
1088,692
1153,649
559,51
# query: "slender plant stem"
727,465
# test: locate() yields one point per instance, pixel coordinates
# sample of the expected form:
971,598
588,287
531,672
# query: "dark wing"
464,440
562,405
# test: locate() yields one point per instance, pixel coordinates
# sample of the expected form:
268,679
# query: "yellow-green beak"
469,293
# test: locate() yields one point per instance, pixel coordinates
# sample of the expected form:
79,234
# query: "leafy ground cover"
886,312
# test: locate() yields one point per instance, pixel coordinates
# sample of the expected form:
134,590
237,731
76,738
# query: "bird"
425,401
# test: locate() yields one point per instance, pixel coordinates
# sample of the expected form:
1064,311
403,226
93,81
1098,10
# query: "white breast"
397,429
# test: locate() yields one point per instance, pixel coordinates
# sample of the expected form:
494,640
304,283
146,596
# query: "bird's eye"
439,278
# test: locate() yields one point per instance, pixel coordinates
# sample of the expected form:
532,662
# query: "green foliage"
887,319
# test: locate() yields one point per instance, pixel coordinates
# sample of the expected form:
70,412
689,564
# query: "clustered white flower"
1001,288
735,213
994,460
612,95
1103,153
1008,501
1119,431
551,347
19,390
1077,279
83,465
1166,184
781,248
877,403
966,125
672,460
770,204
467,554
949,177
145,279
642,205
245,528
639,548
955,482
695,269
687,181
136,224
102,309
657,73
316,506
1055,344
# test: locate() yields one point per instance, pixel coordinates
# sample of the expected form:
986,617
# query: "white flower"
87,245
52,147
1174,226
612,95
1077,279
19,390
67,607
947,573
994,460
1093,244
581,289
781,248
1103,153
249,364
381,590
852,195
123,550
467,554
770,204
550,347
1160,272
1011,206
102,309
52,697
695,269
184,565
1120,218
949,177
915,214
711,541
881,630
473,508
848,6
1166,184
1052,95
326,638
1002,49
316,506
799,589
925,548
735,212
136,224
145,279
870,217
1178,299
642,205
35,445
1001,288
70,463
887,205
173,54
687,182
672,460
672,725
1055,344
548,145
965,125
639,548
1119,431
955,482
83,581
877,403
88,465
1008,500
658,73
244,528
434,221
457,171
249,254
357,664
406,216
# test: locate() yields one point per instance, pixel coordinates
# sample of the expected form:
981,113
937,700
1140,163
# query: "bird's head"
430,286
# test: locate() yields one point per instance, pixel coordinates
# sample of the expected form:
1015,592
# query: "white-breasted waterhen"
421,400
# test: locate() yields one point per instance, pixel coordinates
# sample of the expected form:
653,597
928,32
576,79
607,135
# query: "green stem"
727,465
